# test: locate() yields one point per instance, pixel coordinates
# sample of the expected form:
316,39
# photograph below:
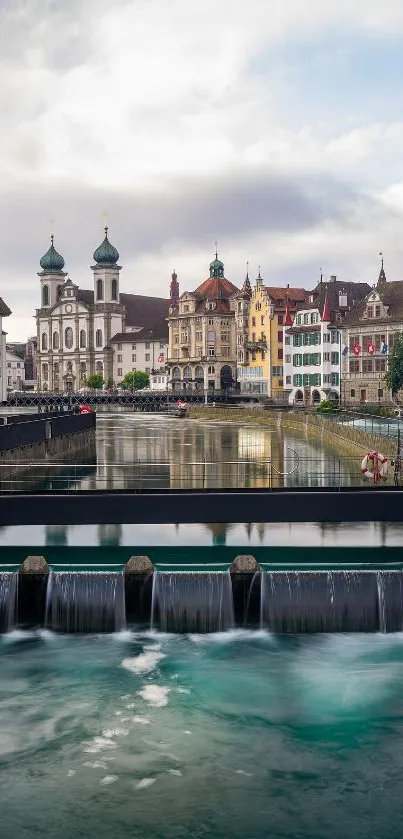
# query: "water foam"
143,663
145,782
155,695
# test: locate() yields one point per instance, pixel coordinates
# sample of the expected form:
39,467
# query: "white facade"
75,327
15,374
131,355
311,359
159,381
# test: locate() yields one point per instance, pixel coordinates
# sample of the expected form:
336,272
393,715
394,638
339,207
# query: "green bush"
325,407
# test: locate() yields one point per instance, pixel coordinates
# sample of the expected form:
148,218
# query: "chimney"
333,278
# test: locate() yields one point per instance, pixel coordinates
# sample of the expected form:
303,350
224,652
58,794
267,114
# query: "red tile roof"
216,288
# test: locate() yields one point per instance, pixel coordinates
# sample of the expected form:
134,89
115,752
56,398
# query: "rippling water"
232,736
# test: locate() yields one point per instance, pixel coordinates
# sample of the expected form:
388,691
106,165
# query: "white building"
312,342
15,372
75,326
4,313
159,381
145,350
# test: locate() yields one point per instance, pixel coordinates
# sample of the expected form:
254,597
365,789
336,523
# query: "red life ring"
374,466
85,409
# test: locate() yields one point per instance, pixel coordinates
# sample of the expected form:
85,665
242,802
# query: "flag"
160,358
356,349
371,349
384,348
345,350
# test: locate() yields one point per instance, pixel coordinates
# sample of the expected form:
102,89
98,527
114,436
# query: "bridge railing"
259,473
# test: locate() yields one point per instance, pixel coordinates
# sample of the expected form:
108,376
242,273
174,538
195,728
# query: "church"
76,327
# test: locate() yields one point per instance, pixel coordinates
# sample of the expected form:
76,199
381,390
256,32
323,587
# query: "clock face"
68,308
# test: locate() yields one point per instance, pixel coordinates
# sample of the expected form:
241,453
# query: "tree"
95,381
394,376
137,380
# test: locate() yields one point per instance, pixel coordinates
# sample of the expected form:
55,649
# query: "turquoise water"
239,735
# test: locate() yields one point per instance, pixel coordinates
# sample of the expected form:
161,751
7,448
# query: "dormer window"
210,305
370,311
377,311
343,300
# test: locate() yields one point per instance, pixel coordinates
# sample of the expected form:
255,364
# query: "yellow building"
260,370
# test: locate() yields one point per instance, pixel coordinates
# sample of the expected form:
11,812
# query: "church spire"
246,289
174,290
382,275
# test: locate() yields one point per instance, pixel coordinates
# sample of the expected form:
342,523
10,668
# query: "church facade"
76,327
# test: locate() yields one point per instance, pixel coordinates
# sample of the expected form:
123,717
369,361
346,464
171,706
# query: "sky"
274,128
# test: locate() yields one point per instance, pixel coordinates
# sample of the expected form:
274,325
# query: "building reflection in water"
56,534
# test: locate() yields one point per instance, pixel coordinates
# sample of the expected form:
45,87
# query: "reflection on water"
373,534
229,736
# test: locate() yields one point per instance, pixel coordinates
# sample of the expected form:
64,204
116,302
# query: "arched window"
114,293
68,337
176,373
44,341
187,373
98,338
55,340
56,368
45,371
83,338
100,290
211,370
45,295
99,366
199,372
69,366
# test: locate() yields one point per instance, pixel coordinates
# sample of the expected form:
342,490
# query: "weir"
85,602
8,600
192,601
280,601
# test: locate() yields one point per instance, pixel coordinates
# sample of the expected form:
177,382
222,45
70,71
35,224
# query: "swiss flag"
356,349
160,358
371,349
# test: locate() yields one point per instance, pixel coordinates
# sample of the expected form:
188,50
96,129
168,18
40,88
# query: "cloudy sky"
274,127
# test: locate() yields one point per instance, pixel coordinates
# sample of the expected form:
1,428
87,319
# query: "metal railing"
384,426
264,473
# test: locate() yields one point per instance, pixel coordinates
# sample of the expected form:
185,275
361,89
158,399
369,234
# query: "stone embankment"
345,437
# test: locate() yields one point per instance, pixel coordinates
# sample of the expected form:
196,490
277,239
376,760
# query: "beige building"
369,333
202,334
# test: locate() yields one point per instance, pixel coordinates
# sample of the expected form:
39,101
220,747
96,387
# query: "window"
334,379
100,289
335,336
68,337
352,392
44,343
9,381
55,340
287,340
326,338
379,340
370,311
280,355
134,369
280,319
99,366
334,358
377,315
262,320
199,336
288,359
277,371
134,358
297,380
354,365
211,352
367,365
134,346
297,360
253,321
119,346
114,290
225,337
56,368
380,393
306,318
119,358
176,338
280,337
354,339
225,351
211,371
211,321
326,356
288,380
83,339
45,295
120,371
380,365
147,356
186,307
147,345
98,338
297,340
8,363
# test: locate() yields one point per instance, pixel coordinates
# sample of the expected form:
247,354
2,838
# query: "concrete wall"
348,439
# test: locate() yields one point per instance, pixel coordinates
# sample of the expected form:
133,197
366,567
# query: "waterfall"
8,600
314,601
85,601
192,601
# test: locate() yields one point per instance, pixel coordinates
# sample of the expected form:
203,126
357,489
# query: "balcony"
256,346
